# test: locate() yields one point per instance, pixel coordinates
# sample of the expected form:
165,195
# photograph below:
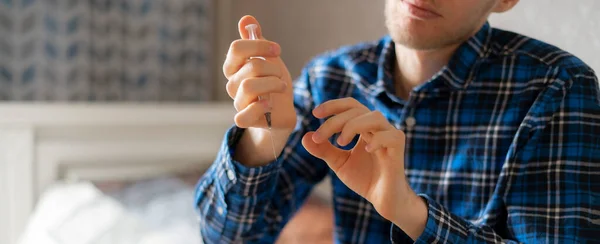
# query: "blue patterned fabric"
502,143
105,50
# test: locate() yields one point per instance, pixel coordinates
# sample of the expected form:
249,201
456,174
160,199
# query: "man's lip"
422,7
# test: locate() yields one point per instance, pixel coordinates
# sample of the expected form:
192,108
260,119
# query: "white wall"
308,27
571,25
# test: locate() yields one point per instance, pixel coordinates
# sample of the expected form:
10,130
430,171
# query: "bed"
42,145
154,152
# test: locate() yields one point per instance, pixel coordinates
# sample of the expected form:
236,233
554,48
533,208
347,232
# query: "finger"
336,106
243,99
391,139
245,21
335,124
370,122
333,156
249,116
257,68
367,136
242,50
253,87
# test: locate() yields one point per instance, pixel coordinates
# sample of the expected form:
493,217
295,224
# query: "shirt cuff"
234,177
442,226
397,235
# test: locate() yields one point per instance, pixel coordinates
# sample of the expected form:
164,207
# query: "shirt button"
220,210
230,175
410,121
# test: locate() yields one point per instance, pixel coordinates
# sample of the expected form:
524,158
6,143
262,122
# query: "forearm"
257,202
255,147
251,204
426,221
232,199
411,216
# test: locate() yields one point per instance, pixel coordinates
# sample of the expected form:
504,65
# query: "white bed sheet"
154,211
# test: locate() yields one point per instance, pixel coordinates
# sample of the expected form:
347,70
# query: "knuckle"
235,47
378,114
348,100
330,124
354,102
400,134
358,112
254,67
339,121
225,69
237,105
231,88
270,44
352,123
228,69
327,125
246,85
252,63
240,121
347,129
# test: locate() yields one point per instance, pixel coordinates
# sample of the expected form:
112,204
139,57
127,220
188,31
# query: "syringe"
251,28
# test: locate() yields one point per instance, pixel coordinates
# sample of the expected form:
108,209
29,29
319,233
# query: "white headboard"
43,143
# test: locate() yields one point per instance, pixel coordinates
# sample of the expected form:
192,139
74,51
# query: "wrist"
254,148
412,215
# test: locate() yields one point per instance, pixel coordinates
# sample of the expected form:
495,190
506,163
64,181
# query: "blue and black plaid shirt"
503,143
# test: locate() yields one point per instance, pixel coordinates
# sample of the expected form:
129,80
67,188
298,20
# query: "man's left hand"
374,167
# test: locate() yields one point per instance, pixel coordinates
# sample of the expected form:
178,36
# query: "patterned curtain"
106,50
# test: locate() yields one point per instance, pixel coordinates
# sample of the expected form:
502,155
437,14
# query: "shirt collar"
456,74
385,67
460,69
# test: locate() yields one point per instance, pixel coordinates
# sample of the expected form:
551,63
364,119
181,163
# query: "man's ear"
504,5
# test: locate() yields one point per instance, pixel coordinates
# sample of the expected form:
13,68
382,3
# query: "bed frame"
44,143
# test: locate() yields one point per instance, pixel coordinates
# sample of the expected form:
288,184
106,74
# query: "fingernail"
317,110
340,141
264,102
368,148
283,86
317,137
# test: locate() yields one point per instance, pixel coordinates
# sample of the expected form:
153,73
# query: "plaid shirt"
503,144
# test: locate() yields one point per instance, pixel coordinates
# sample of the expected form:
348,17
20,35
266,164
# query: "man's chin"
414,37
423,41
418,43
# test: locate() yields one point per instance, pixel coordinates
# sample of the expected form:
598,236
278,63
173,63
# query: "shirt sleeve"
252,204
550,183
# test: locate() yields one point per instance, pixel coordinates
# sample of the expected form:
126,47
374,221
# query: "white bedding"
148,212
41,144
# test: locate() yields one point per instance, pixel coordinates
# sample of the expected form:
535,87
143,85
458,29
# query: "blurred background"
110,110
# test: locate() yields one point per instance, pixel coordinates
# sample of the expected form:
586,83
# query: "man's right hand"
251,78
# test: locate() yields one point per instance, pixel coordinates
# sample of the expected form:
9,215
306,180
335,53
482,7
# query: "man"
446,131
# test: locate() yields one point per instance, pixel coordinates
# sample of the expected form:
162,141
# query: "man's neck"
415,67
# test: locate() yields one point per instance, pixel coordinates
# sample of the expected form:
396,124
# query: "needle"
251,28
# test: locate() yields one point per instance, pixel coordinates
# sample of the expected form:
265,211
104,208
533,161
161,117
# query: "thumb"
245,21
333,156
